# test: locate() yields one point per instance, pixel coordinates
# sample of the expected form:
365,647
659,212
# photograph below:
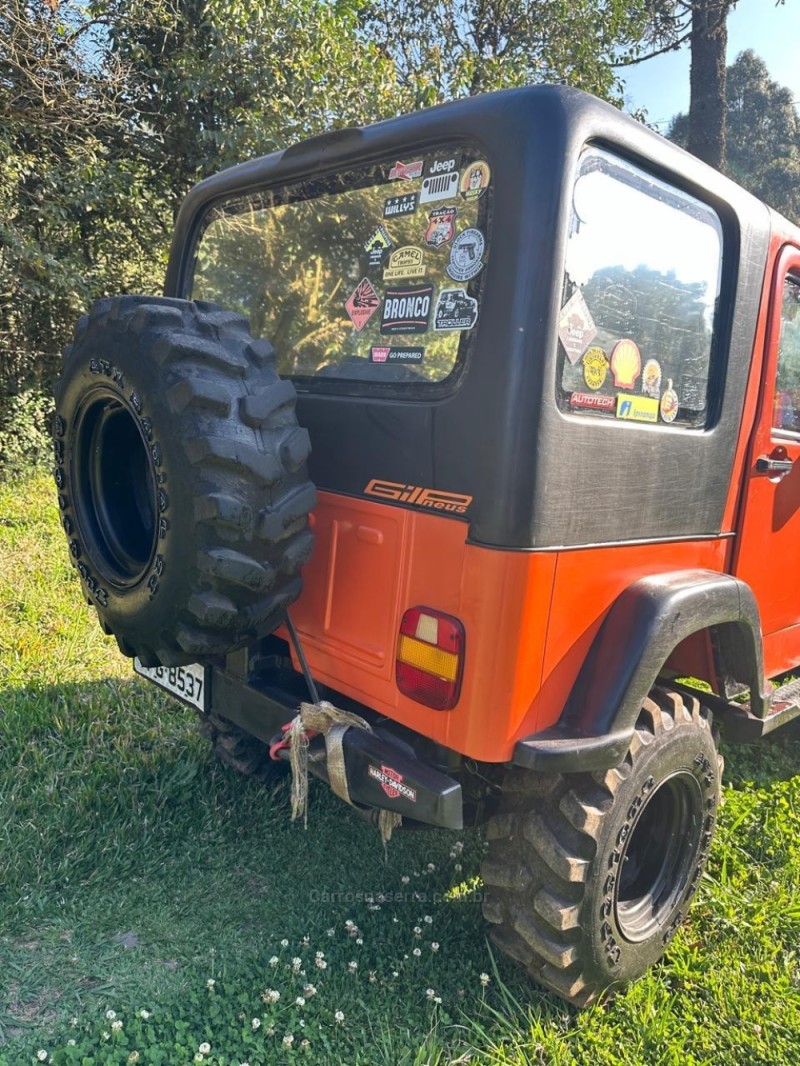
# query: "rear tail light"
430,657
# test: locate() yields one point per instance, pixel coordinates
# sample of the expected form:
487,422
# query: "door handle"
766,465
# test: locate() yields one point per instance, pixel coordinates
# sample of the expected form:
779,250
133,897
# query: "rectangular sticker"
381,354
400,205
637,408
440,187
407,310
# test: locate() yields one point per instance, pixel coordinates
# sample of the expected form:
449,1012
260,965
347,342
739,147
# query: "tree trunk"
707,81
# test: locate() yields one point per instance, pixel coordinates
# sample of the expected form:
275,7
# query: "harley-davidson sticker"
392,783
441,226
400,205
590,401
637,408
595,367
455,310
466,255
377,245
626,364
406,262
440,187
651,379
576,327
381,354
362,303
406,171
475,180
407,310
669,403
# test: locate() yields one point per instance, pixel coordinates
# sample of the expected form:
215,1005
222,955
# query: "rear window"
372,275
639,297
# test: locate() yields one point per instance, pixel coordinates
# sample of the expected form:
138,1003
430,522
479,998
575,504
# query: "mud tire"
588,876
181,475
238,749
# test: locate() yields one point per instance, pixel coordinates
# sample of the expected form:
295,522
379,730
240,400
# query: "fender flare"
643,626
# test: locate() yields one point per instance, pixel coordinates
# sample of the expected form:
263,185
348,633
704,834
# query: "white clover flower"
373,977
349,923
430,993
116,1026
428,920
306,941
270,1031
133,1057
431,867
71,1042
210,982
339,1017
104,1035
331,932
111,1015
458,867
74,1023
41,1055
204,1048
404,880
417,930
458,846
321,964
284,943
296,964
416,952
485,979
300,1002
255,1024
199,1058
395,973
359,941
352,966
310,990
145,1014
305,1044
437,999
272,995
395,919
274,961
319,955
434,946
288,1040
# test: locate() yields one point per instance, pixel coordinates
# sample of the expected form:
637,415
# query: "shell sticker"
651,378
475,180
595,368
669,403
576,328
626,364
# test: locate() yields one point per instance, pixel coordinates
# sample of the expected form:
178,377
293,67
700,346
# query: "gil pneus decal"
417,496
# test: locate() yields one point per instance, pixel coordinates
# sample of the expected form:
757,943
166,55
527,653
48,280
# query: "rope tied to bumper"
332,723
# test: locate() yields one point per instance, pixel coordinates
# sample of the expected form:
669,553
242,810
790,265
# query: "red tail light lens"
430,658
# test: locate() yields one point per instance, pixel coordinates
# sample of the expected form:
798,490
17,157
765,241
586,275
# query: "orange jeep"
550,368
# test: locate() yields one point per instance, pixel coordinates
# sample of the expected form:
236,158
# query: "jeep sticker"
441,187
400,205
441,226
475,180
377,245
407,310
406,262
381,354
362,303
455,310
626,364
576,328
442,166
406,171
466,255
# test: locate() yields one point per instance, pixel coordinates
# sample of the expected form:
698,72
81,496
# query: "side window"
639,298
786,413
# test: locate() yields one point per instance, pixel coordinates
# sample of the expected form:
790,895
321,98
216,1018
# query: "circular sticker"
669,403
466,255
626,364
595,367
475,180
651,378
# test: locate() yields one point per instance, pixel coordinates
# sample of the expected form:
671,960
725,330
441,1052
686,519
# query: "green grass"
134,871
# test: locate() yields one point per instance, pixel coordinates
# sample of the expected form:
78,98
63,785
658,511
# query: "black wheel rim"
658,858
115,494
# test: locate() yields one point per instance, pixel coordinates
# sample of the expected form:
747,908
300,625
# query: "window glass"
787,390
372,275
639,298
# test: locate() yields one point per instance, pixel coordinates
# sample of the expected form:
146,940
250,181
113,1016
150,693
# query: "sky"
661,85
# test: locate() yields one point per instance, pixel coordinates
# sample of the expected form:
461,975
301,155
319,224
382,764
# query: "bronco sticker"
381,354
407,310
392,783
441,226
362,303
433,499
400,205
455,310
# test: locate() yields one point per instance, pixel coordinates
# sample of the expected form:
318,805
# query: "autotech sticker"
406,262
651,378
400,205
475,180
637,408
406,171
441,226
440,187
407,310
626,364
466,255
455,310
378,244
669,403
381,354
595,367
576,328
590,401
362,303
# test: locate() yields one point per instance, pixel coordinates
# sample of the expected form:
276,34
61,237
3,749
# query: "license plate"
188,683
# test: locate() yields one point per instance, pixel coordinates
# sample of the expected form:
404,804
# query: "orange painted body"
530,616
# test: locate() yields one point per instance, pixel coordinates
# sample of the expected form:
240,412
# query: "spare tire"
181,474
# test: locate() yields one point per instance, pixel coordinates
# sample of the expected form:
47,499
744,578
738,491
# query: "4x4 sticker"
381,354
433,499
455,310
392,783
637,408
400,205
466,255
378,244
406,262
440,187
576,327
362,303
595,367
626,364
475,180
407,310
441,226
406,171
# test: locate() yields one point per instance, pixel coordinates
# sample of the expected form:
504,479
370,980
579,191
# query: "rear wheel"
238,749
590,875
